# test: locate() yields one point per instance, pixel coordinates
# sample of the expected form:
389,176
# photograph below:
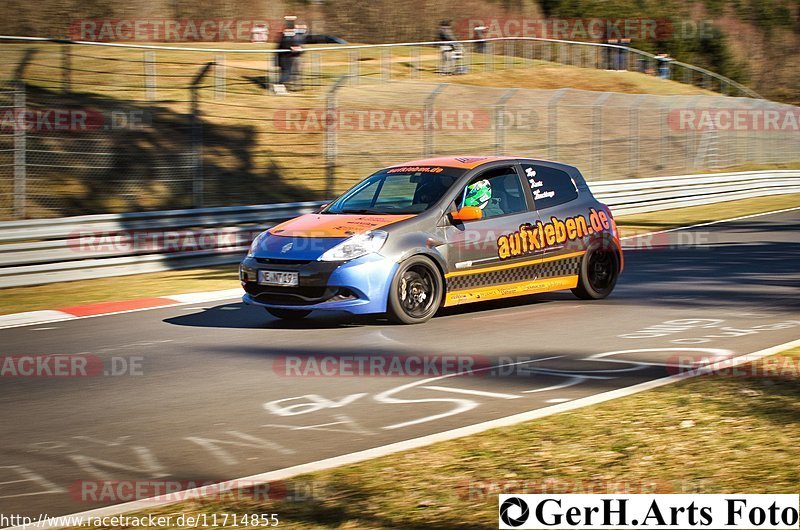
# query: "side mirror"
467,213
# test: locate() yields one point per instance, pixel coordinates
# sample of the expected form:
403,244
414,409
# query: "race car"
439,232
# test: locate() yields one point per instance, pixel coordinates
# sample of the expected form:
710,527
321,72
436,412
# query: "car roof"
466,162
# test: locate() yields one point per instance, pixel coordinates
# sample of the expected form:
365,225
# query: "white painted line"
209,296
709,223
30,318
557,400
33,317
415,443
471,392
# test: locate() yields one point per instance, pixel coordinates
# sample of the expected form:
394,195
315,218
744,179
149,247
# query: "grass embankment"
712,434
18,299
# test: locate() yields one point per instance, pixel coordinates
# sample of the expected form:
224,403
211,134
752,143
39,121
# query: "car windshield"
398,190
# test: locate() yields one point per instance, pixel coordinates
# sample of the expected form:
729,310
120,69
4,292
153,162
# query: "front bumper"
358,286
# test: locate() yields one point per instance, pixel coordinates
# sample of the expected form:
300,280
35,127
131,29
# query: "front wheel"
287,314
599,271
416,291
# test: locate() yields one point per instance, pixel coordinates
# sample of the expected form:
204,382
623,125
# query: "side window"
497,192
550,186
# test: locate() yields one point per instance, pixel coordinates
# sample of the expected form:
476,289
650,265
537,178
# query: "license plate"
287,279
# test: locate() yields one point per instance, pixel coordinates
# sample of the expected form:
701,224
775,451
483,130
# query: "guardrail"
95,246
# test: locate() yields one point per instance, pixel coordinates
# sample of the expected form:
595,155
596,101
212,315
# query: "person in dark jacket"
286,60
450,52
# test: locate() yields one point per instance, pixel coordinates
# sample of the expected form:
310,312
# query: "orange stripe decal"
514,265
495,292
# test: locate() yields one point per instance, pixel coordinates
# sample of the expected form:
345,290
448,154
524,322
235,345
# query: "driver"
479,195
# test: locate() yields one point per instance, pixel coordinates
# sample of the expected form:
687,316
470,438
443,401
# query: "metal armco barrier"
96,246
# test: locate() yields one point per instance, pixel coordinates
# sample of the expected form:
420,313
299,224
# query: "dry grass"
714,434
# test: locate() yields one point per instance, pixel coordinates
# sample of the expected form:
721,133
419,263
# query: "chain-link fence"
93,129
607,135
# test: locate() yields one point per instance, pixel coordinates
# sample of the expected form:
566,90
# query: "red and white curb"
110,308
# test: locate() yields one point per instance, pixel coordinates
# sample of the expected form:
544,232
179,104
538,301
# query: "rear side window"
550,186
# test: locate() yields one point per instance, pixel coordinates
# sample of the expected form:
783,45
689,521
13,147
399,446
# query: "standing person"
663,65
286,59
448,50
479,34
625,43
300,35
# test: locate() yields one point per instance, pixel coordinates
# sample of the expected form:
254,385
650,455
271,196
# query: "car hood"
333,225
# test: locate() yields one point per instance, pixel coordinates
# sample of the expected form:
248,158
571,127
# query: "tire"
287,314
598,272
416,291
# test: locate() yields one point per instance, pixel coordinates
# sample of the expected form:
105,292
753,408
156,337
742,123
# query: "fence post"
66,68
220,74
416,64
633,127
386,64
354,65
330,132
197,139
597,134
428,138
20,149
552,121
500,124
509,54
488,60
663,113
20,137
316,69
150,75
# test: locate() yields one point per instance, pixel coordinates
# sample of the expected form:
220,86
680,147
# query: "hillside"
756,42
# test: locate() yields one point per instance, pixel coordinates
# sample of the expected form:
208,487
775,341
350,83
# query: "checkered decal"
560,267
548,269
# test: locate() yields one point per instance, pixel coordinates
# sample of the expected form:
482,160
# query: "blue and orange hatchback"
418,236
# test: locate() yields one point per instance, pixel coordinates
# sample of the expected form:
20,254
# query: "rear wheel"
287,314
599,271
416,291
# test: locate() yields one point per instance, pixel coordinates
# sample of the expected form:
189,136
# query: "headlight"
255,243
356,246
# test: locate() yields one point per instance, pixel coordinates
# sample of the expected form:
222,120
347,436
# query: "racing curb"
110,308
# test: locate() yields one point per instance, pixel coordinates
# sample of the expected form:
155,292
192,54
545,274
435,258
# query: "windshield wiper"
362,211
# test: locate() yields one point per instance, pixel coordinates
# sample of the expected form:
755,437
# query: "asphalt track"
208,400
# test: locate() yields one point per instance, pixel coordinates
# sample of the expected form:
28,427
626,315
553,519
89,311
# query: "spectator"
663,65
300,35
448,51
287,59
479,34
622,53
